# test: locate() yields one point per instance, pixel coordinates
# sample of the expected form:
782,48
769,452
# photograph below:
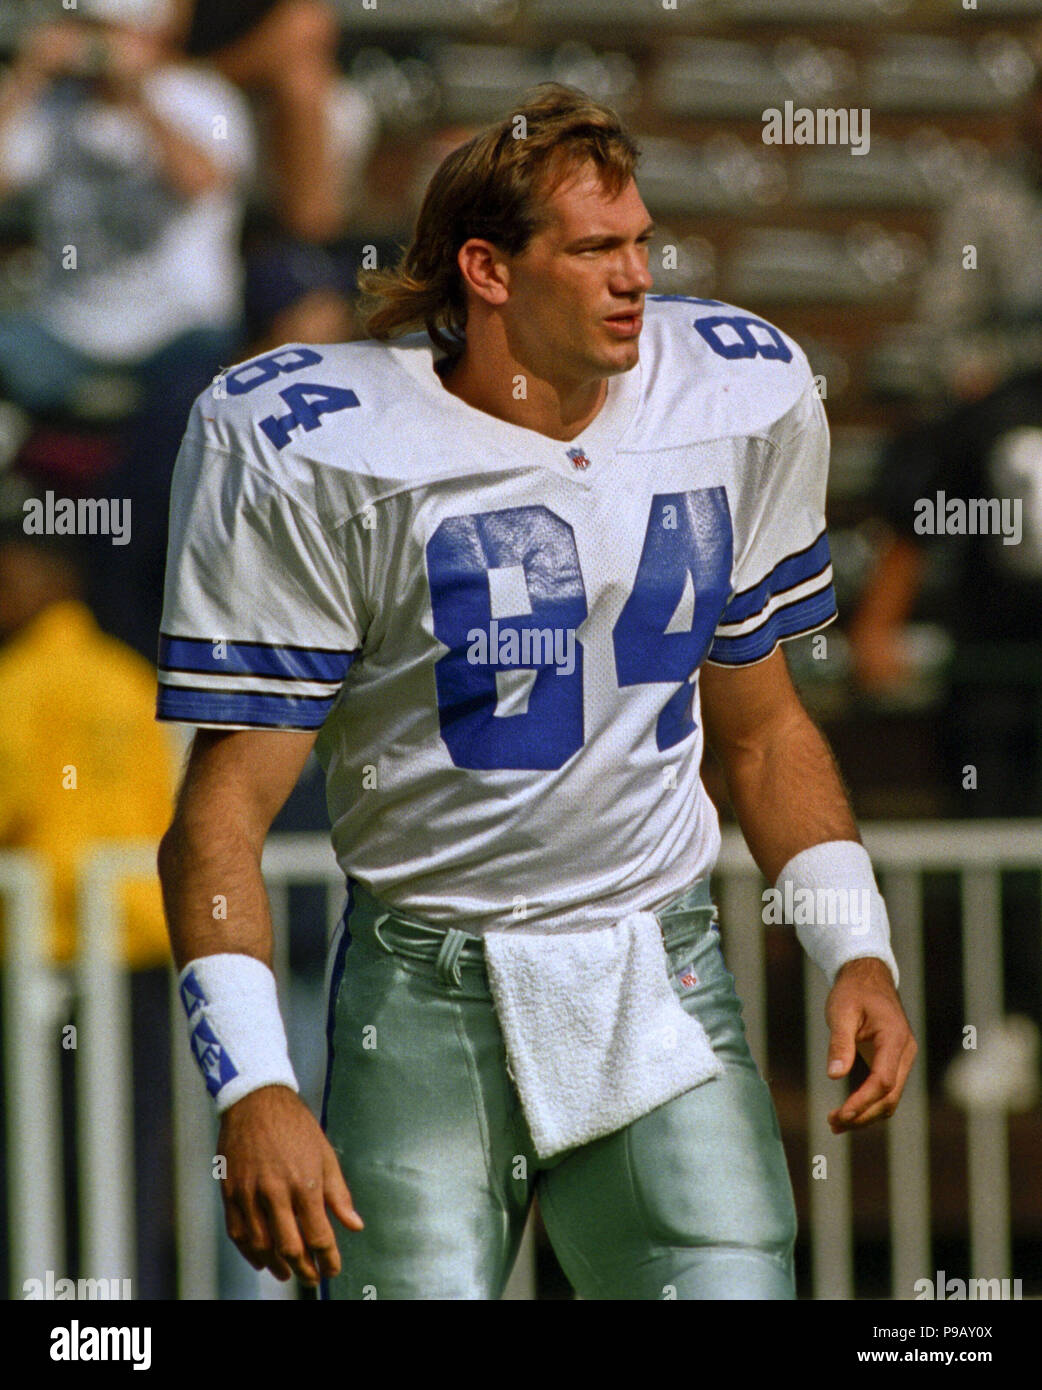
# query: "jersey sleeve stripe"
191,706
248,685
791,620
780,600
793,570
200,655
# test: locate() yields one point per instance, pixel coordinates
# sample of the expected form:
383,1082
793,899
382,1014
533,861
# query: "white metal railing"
104,1081
36,993
901,852
36,1239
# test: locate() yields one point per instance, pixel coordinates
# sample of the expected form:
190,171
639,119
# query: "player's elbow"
183,843
168,855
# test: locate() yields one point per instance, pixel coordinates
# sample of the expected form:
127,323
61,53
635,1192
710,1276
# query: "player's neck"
560,410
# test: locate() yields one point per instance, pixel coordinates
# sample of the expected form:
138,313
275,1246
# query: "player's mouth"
627,324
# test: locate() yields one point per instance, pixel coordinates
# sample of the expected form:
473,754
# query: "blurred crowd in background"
184,184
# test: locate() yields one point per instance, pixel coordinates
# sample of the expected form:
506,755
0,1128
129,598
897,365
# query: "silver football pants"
691,1201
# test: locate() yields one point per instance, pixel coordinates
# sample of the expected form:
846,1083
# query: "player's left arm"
788,796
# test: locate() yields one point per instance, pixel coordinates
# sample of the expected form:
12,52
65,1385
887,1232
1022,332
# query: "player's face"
576,302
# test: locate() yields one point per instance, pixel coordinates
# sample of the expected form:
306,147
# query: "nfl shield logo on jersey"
578,458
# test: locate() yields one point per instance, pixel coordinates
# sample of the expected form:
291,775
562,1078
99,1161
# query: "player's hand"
282,1174
865,1015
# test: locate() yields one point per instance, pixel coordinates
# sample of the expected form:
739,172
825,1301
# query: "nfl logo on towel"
578,458
687,976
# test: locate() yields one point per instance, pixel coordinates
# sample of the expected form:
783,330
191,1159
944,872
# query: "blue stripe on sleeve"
794,569
253,659
813,611
194,706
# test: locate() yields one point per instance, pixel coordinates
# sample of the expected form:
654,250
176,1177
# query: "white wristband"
234,1026
829,892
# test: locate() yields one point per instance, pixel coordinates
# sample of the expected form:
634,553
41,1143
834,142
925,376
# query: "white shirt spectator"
130,264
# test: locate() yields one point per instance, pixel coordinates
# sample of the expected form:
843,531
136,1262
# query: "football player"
505,572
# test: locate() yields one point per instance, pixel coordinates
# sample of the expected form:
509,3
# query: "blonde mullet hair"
492,187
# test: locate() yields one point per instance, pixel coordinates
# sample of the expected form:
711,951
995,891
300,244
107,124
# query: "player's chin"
621,357
619,354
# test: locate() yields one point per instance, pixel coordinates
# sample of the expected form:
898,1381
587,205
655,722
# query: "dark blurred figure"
983,326
285,50
962,492
968,489
318,130
130,163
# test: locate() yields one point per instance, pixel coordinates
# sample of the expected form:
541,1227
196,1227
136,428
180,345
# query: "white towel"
595,1035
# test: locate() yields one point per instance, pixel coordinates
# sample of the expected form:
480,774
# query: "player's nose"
632,274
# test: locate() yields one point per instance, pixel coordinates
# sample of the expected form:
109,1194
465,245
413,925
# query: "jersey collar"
582,457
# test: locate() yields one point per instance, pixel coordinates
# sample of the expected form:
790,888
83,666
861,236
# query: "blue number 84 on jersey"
688,545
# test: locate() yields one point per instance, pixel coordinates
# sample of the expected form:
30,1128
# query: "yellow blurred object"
82,760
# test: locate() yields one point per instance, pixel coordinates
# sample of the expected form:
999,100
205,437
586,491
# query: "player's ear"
484,269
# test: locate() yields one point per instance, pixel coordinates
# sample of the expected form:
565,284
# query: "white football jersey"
498,633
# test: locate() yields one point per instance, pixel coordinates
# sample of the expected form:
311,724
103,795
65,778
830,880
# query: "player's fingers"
248,1228
904,1066
278,1266
246,1215
882,1109
269,1260
234,1222
879,1094
842,1041
881,1080
870,1092
245,1243
289,1243
317,1232
908,1056
337,1195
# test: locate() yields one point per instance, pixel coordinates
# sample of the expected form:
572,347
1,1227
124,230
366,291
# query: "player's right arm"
263,616
282,1174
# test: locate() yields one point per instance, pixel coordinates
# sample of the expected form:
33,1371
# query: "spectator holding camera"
129,161
131,164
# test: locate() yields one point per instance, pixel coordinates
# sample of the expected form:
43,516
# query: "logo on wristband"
214,1063
192,996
